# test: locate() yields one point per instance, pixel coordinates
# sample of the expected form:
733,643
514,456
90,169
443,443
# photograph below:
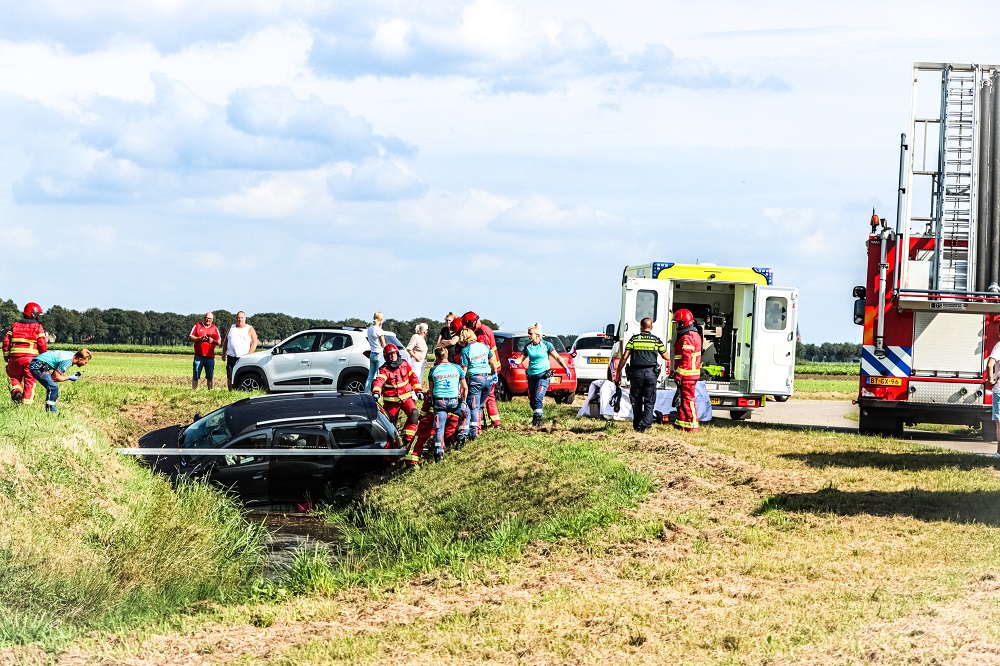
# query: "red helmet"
455,325
390,348
32,309
470,318
684,316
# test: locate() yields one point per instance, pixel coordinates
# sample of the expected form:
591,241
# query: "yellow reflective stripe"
23,351
29,341
688,373
403,397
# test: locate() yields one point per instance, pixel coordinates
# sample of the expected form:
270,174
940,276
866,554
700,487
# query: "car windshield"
209,432
521,341
594,343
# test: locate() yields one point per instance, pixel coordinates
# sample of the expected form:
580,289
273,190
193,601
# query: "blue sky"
330,159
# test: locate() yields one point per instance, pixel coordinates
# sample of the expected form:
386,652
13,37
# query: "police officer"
645,351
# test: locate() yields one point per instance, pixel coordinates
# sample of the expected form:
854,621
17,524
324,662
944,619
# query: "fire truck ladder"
954,210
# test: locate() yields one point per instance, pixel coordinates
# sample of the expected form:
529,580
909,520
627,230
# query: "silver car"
321,359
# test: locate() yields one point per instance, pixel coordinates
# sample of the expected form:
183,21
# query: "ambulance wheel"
780,398
988,431
502,391
739,414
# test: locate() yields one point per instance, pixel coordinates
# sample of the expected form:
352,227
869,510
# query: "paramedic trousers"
479,391
443,407
642,393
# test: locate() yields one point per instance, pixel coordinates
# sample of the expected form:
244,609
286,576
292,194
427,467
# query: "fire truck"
931,302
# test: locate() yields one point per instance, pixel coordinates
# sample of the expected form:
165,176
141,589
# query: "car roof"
289,408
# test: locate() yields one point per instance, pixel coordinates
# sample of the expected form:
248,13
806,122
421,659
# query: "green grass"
437,517
90,539
823,368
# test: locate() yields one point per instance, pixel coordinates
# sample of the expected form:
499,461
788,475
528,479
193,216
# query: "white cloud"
377,180
470,211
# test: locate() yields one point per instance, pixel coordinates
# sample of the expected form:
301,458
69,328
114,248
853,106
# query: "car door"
330,359
293,478
290,365
245,475
357,435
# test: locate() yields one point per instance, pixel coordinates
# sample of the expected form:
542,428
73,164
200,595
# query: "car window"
594,343
393,340
208,432
359,434
334,341
521,341
301,438
255,441
300,343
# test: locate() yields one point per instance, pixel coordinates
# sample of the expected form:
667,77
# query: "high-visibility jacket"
25,338
687,356
396,384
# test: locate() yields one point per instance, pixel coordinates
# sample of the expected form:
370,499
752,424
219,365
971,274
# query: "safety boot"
17,397
438,455
536,421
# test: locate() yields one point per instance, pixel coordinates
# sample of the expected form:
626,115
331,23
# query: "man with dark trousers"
645,351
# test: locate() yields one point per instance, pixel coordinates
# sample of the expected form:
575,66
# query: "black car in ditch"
279,448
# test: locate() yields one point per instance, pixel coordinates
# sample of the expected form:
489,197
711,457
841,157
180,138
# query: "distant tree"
9,313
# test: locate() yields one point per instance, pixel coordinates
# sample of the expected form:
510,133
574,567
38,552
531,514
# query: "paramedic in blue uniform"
644,351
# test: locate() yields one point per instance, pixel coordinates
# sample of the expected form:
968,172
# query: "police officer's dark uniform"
645,351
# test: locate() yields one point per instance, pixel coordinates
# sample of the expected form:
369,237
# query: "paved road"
831,415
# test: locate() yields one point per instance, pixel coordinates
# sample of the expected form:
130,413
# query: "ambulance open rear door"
646,298
772,366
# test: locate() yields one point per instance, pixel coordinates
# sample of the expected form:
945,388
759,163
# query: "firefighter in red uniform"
24,340
687,369
484,334
399,388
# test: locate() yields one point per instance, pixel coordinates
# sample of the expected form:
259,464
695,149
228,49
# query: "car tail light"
747,402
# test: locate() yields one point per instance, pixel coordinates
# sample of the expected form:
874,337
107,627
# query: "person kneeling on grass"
51,367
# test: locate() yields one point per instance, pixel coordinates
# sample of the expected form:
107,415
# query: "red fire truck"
931,303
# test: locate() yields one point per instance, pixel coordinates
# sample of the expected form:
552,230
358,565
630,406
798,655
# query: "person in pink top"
206,338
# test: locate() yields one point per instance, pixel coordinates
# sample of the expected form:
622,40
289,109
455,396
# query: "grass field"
741,544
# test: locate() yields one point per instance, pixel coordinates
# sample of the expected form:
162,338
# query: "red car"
514,380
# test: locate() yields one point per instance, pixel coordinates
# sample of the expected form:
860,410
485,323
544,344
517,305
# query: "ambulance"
748,327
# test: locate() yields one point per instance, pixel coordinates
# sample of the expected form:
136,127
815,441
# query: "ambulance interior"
723,313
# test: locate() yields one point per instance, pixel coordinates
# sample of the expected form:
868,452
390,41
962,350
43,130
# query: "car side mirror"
609,331
275,351
196,417
859,311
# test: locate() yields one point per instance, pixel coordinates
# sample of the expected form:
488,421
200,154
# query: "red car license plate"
555,380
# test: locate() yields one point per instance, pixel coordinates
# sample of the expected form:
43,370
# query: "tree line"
840,352
118,326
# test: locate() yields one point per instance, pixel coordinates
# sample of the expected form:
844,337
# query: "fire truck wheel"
875,422
988,431
739,414
780,398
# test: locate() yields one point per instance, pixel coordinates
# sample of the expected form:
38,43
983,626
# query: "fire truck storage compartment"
946,393
947,344
723,312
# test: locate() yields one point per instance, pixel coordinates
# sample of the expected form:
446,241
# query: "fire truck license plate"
884,381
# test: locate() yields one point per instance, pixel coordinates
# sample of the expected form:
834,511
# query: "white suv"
320,359
591,354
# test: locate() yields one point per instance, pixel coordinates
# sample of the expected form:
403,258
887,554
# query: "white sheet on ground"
601,392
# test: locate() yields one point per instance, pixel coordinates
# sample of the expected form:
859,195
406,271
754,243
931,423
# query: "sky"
329,159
